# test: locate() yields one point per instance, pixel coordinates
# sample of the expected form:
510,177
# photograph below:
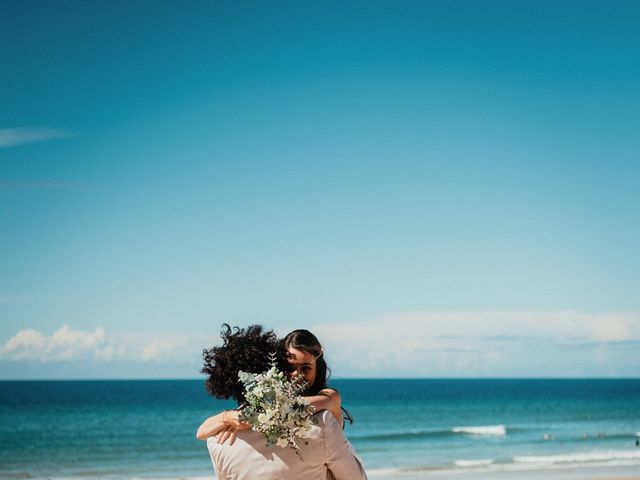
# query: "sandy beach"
617,472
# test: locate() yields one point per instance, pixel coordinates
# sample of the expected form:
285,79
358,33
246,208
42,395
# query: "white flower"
275,408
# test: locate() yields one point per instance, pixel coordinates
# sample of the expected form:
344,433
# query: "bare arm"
225,423
327,399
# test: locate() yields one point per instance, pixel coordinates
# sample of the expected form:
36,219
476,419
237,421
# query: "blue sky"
436,188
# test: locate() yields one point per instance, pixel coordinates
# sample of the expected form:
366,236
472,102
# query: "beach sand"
573,473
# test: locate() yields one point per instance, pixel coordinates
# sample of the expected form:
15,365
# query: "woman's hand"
225,425
232,425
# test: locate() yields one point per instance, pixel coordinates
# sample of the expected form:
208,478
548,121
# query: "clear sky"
438,189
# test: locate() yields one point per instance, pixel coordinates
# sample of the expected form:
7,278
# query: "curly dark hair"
243,349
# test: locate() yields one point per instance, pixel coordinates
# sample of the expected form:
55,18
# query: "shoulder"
324,419
249,449
333,397
330,392
327,421
244,440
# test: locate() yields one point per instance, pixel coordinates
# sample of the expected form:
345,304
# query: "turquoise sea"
145,429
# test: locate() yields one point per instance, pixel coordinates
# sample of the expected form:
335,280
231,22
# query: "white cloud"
64,344
67,344
174,348
475,343
10,137
402,344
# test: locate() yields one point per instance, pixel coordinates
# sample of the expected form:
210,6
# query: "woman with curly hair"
300,353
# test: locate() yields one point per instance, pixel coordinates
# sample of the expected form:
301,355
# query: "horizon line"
151,379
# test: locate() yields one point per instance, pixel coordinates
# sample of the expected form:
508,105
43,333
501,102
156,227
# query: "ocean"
146,429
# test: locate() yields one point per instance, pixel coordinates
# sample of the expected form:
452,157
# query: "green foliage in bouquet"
275,408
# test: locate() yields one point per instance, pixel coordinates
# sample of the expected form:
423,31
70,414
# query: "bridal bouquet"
275,408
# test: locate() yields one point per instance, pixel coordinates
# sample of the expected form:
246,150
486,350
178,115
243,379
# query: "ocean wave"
384,472
485,431
473,463
580,457
407,435
604,436
609,459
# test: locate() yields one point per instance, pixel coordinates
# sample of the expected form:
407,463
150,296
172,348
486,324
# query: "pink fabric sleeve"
338,452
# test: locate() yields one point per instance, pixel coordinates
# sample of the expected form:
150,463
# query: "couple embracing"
239,453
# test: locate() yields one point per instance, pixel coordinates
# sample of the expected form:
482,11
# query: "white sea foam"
485,431
473,463
581,457
491,466
383,472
